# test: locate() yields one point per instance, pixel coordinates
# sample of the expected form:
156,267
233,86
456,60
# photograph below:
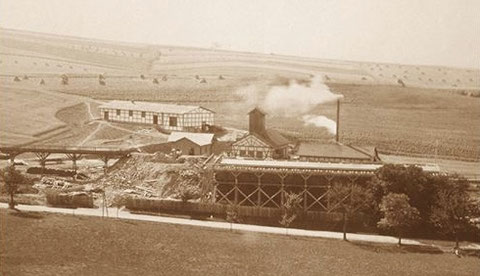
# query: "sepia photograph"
230,137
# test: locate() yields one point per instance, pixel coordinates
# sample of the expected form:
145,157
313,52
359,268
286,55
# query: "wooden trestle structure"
265,183
72,153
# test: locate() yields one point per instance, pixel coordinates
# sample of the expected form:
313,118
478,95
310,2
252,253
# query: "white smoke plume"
294,101
321,121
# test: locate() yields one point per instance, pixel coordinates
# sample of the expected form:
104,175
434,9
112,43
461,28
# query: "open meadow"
436,114
46,244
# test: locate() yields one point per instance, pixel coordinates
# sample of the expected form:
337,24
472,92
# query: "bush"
38,170
74,200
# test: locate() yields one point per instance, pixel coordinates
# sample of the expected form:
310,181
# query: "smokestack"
338,121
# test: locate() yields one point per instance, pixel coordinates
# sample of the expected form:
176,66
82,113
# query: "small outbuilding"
191,143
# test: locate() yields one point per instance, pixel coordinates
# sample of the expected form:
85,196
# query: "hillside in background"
399,108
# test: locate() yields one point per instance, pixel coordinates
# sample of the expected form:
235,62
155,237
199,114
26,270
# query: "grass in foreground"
47,244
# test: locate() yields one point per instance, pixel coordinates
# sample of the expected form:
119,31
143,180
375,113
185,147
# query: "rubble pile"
150,175
52,183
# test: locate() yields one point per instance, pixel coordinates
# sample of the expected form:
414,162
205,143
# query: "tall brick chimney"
257,121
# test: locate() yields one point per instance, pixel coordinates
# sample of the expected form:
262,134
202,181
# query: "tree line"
403,199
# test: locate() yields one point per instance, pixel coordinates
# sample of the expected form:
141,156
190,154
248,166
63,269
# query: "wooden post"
74,157
42,156
282,188
259,193
235,201
305,179
214,194
105,160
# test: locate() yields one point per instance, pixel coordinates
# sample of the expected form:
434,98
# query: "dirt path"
89,110
99,126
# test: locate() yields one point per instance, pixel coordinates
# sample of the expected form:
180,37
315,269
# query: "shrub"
74,200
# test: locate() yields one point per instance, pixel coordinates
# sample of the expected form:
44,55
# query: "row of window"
251,153
130,113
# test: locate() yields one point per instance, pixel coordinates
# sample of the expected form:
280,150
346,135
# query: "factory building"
166,116
260,142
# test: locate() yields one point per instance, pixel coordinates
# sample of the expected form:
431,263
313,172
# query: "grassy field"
419,118
25,112
395,119
46,244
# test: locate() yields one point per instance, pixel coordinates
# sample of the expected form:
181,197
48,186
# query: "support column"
74,157
214,194
329,178
105,160
259,187
42,156
305,196
235,192
282,188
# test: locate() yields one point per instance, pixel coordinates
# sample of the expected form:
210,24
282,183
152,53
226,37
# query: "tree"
397,214
453,209
412,181
12,178
349,199
119,201
290,209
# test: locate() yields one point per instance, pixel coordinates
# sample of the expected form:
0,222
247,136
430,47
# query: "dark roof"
257,110
273,138
334,151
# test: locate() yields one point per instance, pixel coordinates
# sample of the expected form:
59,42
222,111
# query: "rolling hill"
430,110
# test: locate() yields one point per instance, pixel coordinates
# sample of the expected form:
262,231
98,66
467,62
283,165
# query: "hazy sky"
442,32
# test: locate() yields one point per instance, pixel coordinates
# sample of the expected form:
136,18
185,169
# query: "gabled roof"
201,139
270,137
151,107
274,138
333,151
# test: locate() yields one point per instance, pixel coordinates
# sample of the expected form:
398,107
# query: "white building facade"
167,116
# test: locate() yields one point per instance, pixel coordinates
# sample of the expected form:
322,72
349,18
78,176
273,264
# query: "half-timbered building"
167,116
260,142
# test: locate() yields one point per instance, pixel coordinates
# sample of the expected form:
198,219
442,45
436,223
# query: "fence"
247,214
